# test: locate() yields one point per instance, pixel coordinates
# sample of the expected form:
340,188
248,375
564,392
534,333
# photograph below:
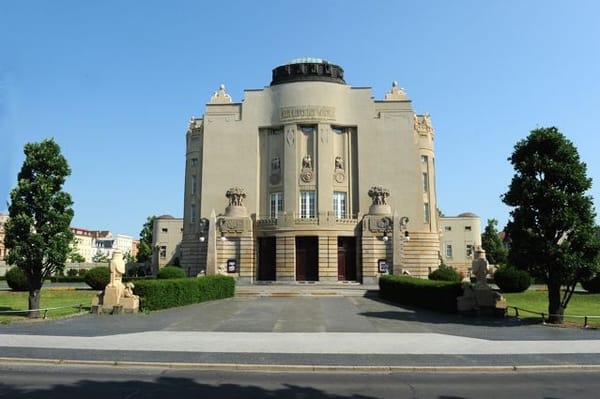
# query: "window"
447,228
193,214
423,158
448,250
426,212
164,230
194,184
339,204
194,161
163,252
425,182
469,250
307,204
275,205
467,228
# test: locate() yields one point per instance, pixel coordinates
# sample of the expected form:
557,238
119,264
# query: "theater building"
310,179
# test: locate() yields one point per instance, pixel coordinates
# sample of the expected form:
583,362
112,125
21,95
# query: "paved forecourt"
339,328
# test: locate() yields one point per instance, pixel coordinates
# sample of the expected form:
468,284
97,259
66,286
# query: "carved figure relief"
379,195
306,174
236,196
339,175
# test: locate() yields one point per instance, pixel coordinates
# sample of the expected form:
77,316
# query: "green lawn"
581,304
50,298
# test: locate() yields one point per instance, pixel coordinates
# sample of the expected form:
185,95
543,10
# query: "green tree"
37,232
552,232
100,257
495,251
144,254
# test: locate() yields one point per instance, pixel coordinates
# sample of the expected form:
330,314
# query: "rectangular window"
275,205
194,184
447,228
426,212
307,204
423,158
425,182
193,214
448,250
467,228
339,204
163,252
164,230
469,250
194,161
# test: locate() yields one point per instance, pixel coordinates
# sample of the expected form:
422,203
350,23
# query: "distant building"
104,244
83,242
460,235
166,240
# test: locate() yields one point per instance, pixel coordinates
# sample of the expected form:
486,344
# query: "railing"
45,310
543,315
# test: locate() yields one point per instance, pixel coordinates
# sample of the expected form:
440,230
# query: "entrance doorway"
307,259
346,258
266,259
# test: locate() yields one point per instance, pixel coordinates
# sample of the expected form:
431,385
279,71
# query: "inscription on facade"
307,112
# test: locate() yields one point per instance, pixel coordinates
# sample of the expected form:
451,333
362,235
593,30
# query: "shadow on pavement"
410,313
167,387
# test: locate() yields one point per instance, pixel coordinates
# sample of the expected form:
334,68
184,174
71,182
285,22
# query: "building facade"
166,241
310,179
460,236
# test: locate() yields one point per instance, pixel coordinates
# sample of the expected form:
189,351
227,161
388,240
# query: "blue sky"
115,83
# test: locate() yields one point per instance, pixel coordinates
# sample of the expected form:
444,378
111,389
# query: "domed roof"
308,69
468,215
165,217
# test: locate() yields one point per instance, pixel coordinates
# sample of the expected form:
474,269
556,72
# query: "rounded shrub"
592,285
17,279
170,272
510,279
444,274
72,272
97,277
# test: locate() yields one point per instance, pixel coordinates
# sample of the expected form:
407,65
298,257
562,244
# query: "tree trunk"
555,308
34,304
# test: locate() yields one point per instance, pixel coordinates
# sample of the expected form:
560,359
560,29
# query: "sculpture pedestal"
481,300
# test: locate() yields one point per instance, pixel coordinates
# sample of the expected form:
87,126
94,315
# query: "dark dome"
468,215
308,69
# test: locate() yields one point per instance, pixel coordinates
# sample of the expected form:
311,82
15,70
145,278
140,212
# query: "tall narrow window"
448,250
307,204
426,212
194,161
192,214
194,184
339,204
424,159
425,182
275,205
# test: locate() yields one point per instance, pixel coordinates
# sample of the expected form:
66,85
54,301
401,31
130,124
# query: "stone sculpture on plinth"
479,298
116,297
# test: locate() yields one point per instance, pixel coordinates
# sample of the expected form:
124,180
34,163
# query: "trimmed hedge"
510,279
592,285
67,279
428,294
170,272
444,273
17,279
98,277
169,293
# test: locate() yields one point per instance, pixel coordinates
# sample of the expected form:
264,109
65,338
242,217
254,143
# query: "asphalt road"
66,382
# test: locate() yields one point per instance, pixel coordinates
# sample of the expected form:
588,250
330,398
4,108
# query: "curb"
298,368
